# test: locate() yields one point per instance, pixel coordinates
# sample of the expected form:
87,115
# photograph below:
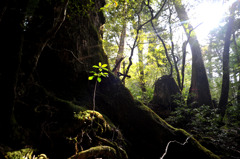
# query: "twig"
172,142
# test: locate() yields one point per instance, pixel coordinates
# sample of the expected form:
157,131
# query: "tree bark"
236,48
11,35
223,101
199,92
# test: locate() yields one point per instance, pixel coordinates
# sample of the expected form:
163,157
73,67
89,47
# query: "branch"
138,29
173,142
172,48
159,37
151,10
115,67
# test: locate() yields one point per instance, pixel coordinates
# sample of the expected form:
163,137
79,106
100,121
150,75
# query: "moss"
92,130
147,133
26,153
93,120
98,151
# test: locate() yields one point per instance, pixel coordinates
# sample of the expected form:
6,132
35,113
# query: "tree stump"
166,92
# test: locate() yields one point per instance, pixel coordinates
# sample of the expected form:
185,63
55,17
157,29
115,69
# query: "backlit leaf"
90,77
95,66
99,79
104,65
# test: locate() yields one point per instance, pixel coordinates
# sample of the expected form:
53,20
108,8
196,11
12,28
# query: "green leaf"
99,79
103,74
100,69
95,66
99,64
104,65
105,69
90,77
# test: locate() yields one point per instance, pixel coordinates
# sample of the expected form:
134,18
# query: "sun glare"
208,15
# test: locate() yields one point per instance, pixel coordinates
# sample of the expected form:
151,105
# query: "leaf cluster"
99,73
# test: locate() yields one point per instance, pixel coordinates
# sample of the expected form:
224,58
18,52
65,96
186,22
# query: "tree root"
103,151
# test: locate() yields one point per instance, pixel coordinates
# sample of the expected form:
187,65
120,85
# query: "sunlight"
209,14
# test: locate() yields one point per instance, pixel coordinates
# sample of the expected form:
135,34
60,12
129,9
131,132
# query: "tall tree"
237,54
225,79
199,90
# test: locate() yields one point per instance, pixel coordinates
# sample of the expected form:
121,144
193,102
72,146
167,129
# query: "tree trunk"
237,52
223,101
199,92
120,57
11,35
120,50
141,65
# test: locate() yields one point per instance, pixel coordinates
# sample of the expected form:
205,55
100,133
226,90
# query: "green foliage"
99,73
204,119
205,122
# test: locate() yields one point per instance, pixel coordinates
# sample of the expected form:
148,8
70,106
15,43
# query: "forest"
119,79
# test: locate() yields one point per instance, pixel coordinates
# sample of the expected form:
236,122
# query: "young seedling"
98,74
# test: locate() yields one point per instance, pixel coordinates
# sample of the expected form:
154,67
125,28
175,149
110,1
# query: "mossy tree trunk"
11,35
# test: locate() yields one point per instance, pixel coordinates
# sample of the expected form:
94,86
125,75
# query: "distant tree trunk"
184,52
225,79
121,46
141,66
210,67
120,50
199,92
